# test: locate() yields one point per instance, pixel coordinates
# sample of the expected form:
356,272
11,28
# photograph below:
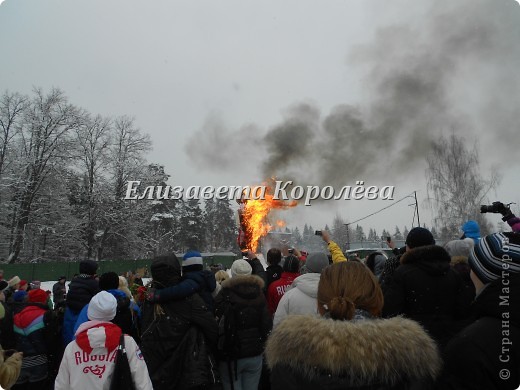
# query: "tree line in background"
64,172
307,240
63,177
343,235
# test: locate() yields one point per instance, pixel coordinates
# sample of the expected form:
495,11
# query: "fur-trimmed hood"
243,279
245,287
459,260
433,259
383,351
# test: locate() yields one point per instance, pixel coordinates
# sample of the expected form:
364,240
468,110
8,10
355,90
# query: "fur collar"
430,254
236,281
366,351
459,260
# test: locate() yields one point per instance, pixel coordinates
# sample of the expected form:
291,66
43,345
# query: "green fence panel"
23,271
53,270
226,261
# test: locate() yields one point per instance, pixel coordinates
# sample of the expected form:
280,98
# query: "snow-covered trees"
43,147
219,225
397,234
340,232
359,234
63,180
456,186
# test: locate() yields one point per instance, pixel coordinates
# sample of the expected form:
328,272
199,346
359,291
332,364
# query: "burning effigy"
253,215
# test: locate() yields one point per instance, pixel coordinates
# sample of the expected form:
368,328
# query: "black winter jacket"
258,269
125,318
163,340
58,293
486,354
7,339
273,273
200,369
244,295
207,282
81,291
426,289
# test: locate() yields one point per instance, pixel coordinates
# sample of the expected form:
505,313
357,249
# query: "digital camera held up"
497,208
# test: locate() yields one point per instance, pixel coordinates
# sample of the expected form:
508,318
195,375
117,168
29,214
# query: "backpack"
200,369
228,344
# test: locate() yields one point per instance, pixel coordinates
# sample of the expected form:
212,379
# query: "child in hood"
194,280
471,230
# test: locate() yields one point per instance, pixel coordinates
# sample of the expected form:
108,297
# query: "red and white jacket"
277,289
88,361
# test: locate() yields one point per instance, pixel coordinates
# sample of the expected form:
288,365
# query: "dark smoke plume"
455,68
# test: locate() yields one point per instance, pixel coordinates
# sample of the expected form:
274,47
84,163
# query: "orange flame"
255,217
280,223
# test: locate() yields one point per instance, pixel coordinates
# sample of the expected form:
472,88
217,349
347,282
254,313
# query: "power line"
384,208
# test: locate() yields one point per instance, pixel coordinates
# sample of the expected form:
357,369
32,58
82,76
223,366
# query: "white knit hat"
102,307
14,281
240,267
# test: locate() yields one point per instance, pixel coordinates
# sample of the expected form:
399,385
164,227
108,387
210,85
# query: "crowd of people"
430,317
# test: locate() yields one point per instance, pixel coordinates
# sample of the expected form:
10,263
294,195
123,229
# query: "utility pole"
417,208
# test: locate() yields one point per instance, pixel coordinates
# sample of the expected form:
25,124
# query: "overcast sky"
187,69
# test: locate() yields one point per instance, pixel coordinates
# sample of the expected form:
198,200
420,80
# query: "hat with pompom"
192,261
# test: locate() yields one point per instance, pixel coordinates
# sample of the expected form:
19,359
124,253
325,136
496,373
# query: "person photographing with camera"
507,214
334,249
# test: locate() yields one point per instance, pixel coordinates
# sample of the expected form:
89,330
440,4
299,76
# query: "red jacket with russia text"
277,289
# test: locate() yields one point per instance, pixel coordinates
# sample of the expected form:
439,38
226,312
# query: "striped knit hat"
494,254
192,261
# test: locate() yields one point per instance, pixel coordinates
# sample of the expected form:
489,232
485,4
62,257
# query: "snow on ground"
47,285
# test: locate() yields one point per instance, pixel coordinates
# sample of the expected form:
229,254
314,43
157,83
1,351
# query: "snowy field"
47,285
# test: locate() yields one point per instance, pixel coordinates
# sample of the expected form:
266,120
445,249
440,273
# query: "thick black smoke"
454,68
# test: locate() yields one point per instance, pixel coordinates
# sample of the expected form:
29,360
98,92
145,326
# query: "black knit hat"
419,236
109,281
166,270
88,267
